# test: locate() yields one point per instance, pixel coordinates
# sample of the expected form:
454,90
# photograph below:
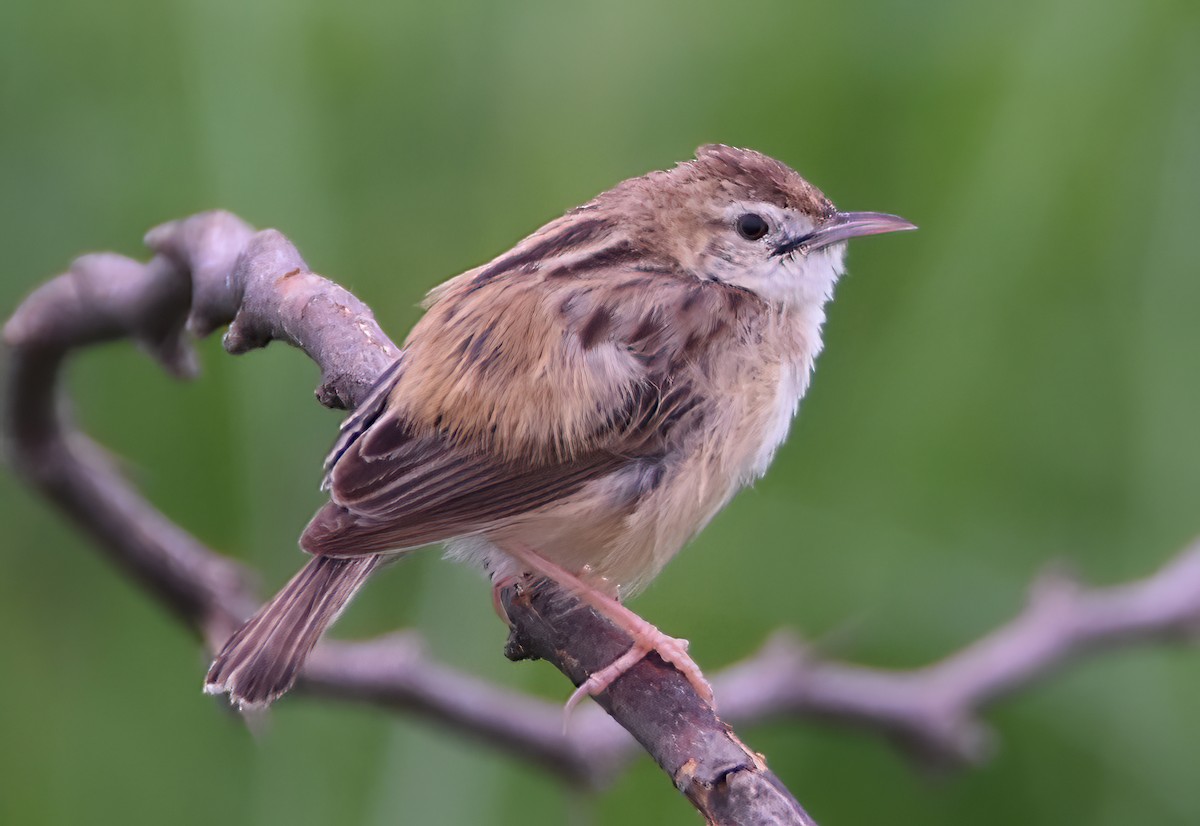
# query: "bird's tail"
259,663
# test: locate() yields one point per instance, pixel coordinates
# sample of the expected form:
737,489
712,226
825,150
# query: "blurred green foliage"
1019,382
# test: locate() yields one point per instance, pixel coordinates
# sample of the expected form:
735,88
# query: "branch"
935,710
213,270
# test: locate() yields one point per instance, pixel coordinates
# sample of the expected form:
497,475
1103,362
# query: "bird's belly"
606,534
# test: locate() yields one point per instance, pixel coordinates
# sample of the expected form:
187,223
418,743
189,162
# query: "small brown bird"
579,407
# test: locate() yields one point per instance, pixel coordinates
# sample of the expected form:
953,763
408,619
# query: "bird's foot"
646,639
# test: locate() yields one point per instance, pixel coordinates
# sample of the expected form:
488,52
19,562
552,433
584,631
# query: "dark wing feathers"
364,416
392,489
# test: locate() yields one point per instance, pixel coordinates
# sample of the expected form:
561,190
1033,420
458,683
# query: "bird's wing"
502,404
394,489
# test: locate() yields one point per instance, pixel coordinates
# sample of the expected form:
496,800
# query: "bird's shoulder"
548,360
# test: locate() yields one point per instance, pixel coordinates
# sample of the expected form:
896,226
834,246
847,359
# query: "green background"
1017,383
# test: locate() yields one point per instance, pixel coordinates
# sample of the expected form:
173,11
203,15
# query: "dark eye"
752,226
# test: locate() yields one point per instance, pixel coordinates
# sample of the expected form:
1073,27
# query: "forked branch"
212,270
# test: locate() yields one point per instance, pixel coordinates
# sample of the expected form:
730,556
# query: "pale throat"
797,282
800,287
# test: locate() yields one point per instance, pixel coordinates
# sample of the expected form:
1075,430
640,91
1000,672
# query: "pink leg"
498,586
646,637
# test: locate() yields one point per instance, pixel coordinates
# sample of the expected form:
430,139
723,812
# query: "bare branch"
935,710
213,270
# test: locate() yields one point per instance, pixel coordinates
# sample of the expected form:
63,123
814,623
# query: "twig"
213,270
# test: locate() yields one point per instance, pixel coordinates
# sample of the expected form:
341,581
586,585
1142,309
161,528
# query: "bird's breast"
761,396
746,417
623,528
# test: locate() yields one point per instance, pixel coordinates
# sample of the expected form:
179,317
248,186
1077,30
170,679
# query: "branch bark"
213,270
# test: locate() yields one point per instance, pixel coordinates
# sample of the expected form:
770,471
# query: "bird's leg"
645,637
498,586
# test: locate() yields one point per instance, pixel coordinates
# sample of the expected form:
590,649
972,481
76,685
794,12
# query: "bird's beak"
843,226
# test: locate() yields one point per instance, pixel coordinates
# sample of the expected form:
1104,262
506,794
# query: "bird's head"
739,217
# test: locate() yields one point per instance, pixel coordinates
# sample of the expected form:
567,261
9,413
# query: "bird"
579,407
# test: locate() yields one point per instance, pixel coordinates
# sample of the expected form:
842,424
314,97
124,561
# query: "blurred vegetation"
1018,382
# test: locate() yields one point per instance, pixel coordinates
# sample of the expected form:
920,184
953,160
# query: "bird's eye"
752,226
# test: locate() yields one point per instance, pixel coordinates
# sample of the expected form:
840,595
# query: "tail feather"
260,662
